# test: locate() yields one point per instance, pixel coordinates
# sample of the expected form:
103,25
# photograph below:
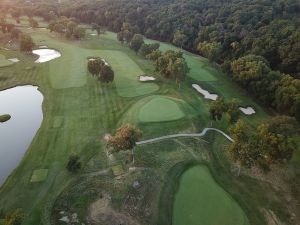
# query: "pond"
201,201
24,104
46,55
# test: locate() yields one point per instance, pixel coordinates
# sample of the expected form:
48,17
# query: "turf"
160,109
39,175
4,62
200,201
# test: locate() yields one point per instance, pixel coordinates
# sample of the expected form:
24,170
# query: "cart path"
205,130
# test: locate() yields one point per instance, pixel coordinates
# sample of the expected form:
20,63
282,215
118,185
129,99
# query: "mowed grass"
201,201
160,109
4,62
126,75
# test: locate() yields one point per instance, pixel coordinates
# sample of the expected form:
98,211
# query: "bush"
74,164
4,118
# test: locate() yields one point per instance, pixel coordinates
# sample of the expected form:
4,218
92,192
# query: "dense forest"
256,42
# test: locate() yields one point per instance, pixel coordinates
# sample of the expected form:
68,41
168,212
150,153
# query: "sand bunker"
146,78
93,34
14,60
43,46
46,55
248,110
205,93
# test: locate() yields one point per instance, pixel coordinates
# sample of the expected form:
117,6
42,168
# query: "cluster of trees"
26,43
271,142
170,64
100,68
124,139
67,27
219,107
272,88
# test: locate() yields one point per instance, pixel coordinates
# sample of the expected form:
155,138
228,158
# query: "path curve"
205,130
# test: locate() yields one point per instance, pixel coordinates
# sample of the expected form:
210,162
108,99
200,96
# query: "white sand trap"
14,60
46,55
248,110
205,93
93,34
146,78
43,46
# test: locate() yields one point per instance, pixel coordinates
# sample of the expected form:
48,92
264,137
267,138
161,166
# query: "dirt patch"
102,213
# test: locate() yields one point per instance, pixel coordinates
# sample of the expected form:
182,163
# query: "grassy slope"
4,62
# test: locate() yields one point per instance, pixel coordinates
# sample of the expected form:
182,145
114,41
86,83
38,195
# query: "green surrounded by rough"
4,62
160,109
201,201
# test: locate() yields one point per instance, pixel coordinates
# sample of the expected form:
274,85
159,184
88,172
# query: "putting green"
160,109
201,201
126,73
4,62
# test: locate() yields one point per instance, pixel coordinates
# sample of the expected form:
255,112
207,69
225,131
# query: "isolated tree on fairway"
136,42
125,139
96,27
147,49
94,66
233,111
26,43
120,37
79,33
73,164
106,74
217,108
14,218
179,70
179,38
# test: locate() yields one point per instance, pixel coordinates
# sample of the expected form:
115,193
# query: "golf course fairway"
160,109
201,201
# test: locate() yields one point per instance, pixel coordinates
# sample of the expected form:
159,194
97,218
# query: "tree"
74,164
15,33
217,108
33,23
136,42
95,65
14,218
211,50
179,70
79,32
165,60
125,138
26,43
179,38
233,111
120,37
147,49
106,74
96,27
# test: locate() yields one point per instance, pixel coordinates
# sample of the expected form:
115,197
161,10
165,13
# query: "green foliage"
217,109
15,33
106,74
14,218
33,23
66,26
147,49
26,43
94,66
179,38
271,142
97,28
179,70
136,42
210,50
125,138
74,164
